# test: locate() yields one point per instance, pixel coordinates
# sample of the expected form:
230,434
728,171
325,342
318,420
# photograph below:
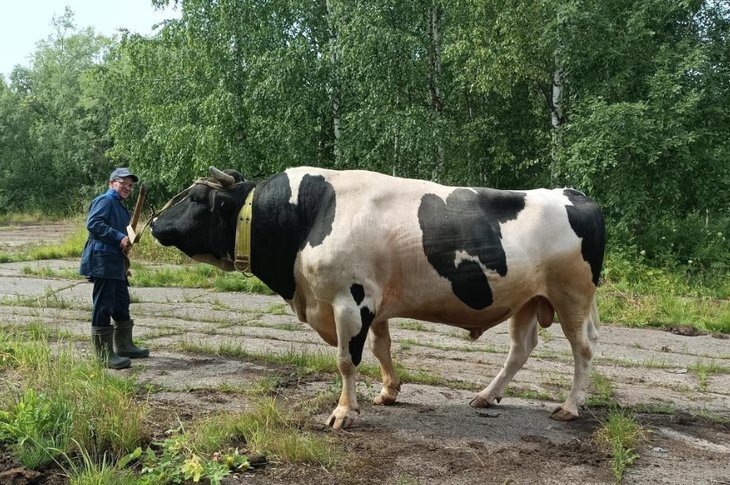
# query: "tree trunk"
437,100
335,89
557,119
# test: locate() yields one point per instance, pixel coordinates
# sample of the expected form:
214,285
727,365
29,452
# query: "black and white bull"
348,250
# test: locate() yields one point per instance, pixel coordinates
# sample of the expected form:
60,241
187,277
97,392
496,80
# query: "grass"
101,471
620,435
195,276
308,363
636,294
211,448
68,410
185,276
70,247
63,404
267,429
602,391
49,299
704,369
17,218
412,325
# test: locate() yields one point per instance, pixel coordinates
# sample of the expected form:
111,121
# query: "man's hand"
125,244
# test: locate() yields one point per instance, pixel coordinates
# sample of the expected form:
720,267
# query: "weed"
652,408
270,430
266,386
429,345
278,309
603,393
531,394
50,299
179,461
715,418
665,303
412,325
460,334
703,370
545,334
194,276
620,434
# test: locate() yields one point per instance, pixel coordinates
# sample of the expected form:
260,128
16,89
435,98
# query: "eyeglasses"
129,185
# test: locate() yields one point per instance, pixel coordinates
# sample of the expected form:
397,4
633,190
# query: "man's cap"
121,172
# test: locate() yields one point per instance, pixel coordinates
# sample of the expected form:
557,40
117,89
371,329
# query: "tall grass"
60,404
635,294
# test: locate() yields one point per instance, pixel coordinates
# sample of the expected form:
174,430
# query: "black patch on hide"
281,229
358,293
586,219
468,221
357,343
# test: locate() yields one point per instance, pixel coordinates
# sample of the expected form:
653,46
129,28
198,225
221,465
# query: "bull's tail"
593,322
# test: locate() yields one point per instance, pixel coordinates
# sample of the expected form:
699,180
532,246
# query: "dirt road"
431,435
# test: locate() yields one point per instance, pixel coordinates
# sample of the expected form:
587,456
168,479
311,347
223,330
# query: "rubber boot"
104,348
123,341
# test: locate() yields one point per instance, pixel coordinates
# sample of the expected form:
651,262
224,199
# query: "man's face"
123,186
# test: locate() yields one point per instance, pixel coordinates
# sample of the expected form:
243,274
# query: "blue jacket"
107,224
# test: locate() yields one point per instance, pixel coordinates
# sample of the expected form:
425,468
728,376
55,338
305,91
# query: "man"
103,263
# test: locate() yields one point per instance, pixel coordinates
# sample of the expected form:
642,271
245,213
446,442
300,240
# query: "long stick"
132,227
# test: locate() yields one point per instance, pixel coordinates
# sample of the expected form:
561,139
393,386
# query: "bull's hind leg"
380,347
583,336
523,333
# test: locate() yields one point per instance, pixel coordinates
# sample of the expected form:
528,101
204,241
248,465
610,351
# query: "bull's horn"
222,177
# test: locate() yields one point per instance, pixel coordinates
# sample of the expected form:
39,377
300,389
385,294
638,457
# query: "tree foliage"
625,100
54,126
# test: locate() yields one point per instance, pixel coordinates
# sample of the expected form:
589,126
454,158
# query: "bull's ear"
222,177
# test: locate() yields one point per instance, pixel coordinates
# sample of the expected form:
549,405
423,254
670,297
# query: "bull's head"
201,220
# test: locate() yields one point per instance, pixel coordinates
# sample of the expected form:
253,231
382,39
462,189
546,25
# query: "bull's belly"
458,317
438,303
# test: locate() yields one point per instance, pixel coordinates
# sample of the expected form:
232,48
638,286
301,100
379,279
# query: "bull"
349,250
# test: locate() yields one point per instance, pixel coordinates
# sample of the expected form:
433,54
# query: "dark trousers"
111,300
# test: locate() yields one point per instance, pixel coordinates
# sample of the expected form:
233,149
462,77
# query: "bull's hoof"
342,417
561,414
383,400
483,402
387,396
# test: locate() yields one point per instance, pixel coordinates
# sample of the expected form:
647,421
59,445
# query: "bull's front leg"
347,408
352,329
